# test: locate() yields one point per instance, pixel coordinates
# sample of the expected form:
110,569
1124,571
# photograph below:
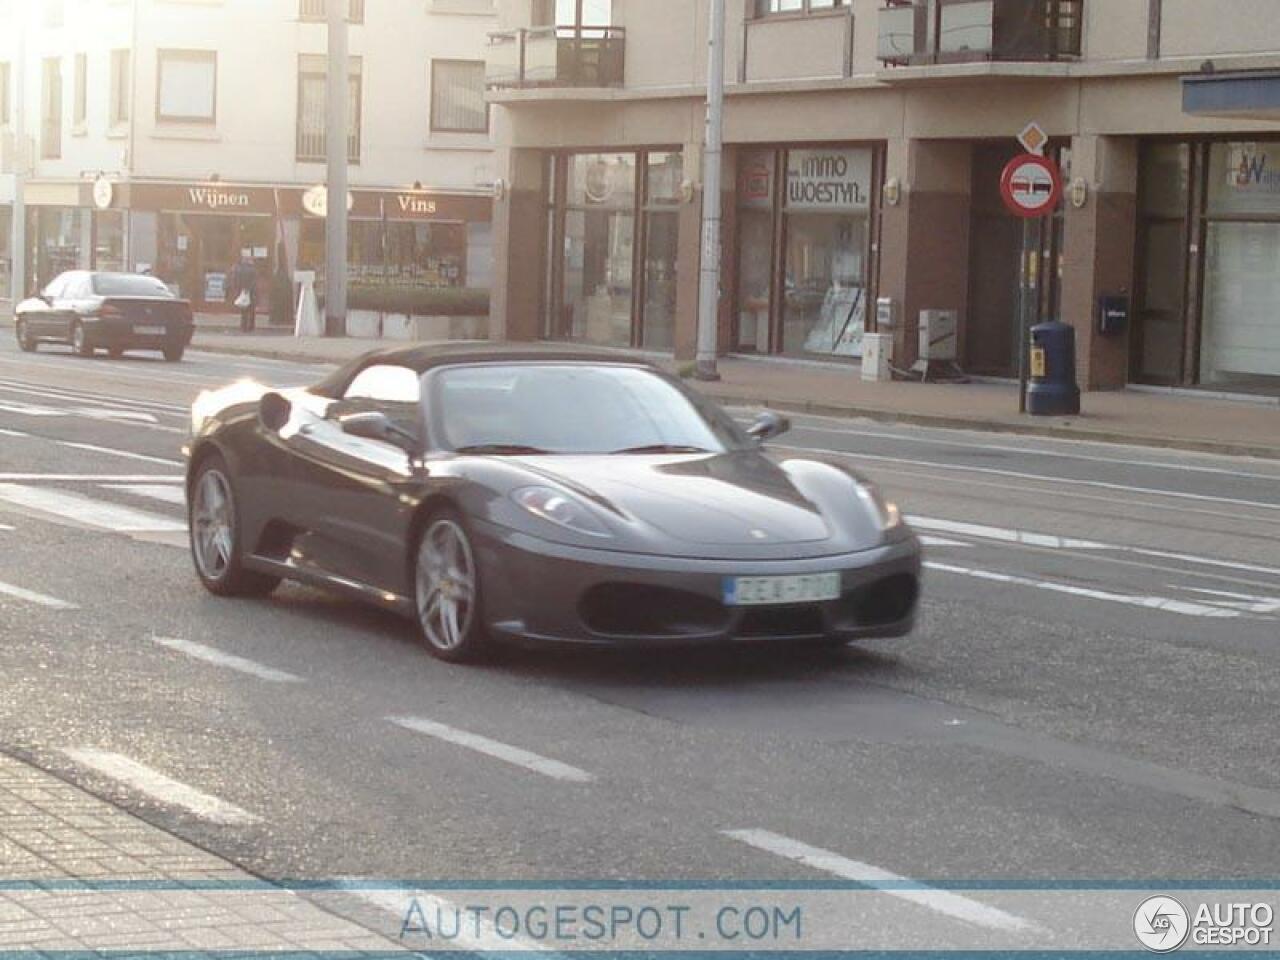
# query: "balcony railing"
915,32
556,57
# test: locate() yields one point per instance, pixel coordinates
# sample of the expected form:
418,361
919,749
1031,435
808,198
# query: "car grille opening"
781,622
883,602
637,610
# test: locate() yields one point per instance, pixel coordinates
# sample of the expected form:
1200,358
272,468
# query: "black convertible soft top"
426,356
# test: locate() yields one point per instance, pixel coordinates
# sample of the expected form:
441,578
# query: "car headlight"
886,511
561,509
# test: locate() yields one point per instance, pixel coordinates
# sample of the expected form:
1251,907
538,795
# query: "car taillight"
109,312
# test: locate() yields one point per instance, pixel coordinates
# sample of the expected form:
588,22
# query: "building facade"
179,136
865,142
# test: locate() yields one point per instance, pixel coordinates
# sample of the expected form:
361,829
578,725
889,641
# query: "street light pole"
336,123
23,159
709,287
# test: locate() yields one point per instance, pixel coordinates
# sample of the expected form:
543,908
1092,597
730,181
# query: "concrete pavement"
1245,427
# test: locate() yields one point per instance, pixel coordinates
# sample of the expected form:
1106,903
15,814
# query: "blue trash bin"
1053,390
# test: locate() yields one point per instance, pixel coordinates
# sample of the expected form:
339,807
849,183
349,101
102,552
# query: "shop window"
664,173
757,176
428,255
187,86
80,115
1240,339
457,97
119,112
765,8
108,241
827,223
6,252
51,128
312,99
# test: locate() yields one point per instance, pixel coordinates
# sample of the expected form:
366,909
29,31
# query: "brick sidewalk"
77,874
1179,421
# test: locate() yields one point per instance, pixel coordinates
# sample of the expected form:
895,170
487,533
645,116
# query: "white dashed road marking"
160,787
493,748
166,493
941,901
216,657
30,596
1166,604
86,512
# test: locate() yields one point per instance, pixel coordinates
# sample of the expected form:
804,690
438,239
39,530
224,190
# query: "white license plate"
777,591
150,331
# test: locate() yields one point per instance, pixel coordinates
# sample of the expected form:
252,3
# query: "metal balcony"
556,57
919,32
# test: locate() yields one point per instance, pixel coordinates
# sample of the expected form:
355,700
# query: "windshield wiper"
501,450
662,448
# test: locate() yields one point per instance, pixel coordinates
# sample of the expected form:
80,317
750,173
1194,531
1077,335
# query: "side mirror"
768,426
376,425
274,411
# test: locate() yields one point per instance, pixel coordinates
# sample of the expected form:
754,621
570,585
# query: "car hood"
736,504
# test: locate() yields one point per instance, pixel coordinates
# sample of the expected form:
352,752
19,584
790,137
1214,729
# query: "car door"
42,317
75,294
353,488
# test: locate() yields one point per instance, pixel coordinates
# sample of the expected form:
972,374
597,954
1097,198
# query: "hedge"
420,301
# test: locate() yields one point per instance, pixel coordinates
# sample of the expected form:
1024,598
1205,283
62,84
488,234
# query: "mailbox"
1113,315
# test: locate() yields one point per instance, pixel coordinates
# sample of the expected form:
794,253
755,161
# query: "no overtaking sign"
1031,186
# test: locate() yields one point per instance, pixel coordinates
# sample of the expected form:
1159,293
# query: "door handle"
307,429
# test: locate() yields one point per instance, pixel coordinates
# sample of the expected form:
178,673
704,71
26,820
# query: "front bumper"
545,591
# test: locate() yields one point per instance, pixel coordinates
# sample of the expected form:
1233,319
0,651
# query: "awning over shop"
1253,96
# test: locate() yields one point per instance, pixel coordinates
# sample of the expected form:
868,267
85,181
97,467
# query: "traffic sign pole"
1032,187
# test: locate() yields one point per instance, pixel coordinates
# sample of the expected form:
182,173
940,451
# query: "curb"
881,415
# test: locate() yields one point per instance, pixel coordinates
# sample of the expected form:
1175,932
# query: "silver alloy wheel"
25,340
446,585
77,338
212,525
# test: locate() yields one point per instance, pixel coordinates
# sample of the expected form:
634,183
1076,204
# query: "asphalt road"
1091,695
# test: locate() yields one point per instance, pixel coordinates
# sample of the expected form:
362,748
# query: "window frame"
355,133
119,89
6,79
51,114
307,13
434,126
756,11
186,55
80,104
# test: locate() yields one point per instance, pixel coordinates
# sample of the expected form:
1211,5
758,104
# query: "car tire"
214,532
447,590
26,342
80,341
174,354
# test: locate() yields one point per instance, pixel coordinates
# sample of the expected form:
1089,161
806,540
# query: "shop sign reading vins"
829,179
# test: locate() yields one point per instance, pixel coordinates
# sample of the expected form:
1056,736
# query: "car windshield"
575,409
128,285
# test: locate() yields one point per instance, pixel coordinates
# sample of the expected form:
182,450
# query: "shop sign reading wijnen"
829,179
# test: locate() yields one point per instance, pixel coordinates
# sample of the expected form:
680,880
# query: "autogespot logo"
1161,924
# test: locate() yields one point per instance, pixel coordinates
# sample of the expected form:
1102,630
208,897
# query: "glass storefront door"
614,242
1159,332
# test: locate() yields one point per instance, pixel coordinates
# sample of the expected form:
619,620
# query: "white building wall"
258,44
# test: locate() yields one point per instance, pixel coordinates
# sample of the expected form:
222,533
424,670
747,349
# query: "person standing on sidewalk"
244,286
